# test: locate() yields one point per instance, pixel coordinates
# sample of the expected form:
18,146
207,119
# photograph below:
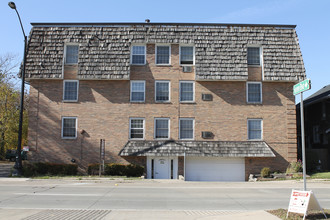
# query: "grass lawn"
323,175
281,213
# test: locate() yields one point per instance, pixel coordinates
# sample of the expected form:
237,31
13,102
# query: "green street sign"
302,86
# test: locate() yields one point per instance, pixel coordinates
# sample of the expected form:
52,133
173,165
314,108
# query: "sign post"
300,88
102,156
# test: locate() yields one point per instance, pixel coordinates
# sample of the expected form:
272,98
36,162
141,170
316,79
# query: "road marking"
56,194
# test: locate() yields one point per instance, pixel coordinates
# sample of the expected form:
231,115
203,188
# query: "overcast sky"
312,18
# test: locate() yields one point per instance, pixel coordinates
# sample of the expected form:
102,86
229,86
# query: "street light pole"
18,164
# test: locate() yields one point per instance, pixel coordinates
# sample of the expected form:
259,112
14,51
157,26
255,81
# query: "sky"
312,18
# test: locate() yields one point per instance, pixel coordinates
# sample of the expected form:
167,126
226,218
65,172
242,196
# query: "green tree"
9,106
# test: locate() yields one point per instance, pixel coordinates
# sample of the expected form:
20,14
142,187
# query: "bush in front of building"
265,172
133,170
116,169
52,169
295,167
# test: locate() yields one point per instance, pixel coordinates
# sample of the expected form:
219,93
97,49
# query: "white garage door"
215,169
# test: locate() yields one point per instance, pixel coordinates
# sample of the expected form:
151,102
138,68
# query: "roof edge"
121,24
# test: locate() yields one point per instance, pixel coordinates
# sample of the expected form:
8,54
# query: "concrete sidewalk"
63,214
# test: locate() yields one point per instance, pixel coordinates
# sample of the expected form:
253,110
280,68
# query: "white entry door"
162,167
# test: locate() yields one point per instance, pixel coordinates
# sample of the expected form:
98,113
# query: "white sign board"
302,202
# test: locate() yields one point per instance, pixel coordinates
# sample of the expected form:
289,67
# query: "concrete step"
5,169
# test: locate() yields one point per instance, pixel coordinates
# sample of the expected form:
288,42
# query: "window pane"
186,128
187,55
187,91
70,91
254,92
254,129
137,91
162,128
69,127
162,91
72,54
253,55
163,55
138,54
136,128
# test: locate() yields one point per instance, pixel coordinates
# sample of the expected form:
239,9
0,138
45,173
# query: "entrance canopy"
197,148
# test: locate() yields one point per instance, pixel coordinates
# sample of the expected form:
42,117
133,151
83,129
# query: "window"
316,134
162,91
71,54
254,129
69,127
186,55
254,92
138,55
253,56
187,90
163,54
162,128
70,90
136,130
137,91
186,128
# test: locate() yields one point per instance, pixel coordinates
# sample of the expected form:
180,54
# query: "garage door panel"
215,169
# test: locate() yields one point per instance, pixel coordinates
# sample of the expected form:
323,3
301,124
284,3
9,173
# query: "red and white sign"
302,202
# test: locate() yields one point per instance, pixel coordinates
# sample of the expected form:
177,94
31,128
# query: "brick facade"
104,108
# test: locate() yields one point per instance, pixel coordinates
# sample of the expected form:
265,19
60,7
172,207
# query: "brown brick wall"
104,108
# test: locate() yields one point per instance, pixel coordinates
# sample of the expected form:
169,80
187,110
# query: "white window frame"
247,92
145,54
169,60
130,127
169,121
181,119
144,92
262,128
169,90
193,55
192,101
76,100
62,128
65,53
260,56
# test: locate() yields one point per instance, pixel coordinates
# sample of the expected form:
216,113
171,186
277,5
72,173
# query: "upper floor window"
136,128
71,54
137,91
162,91
186,130
138,55
187,91
162,127
254,129
70,90
69,127
163,54
254,92
186,55
253,56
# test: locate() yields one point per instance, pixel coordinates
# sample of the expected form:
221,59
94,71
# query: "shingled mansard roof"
220,49
197,148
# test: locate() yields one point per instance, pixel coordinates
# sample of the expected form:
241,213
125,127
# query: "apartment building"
210,102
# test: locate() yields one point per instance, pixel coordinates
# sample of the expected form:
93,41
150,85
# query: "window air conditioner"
187,69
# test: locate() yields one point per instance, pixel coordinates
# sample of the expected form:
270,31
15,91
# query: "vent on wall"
207,135
187,69
207,97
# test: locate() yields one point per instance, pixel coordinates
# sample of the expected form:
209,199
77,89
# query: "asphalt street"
154,195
